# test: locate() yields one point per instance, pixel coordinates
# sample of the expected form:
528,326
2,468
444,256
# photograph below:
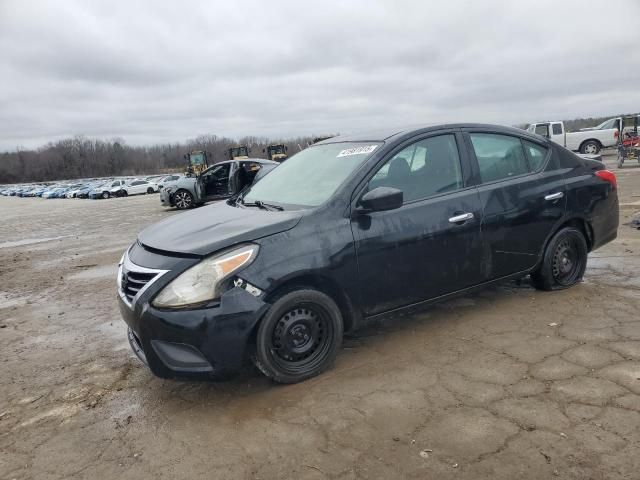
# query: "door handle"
463,217
554,196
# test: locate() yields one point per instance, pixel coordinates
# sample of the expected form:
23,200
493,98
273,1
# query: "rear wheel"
183,199
564,261
590,147
620,160
299,336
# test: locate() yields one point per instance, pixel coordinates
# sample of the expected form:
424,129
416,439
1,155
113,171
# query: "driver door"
214,182
431,245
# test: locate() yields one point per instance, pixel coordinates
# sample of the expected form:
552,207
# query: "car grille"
133,282
134,279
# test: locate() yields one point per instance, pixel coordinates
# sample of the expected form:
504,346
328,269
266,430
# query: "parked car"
54,192
165,181
103,190
220,181
353,229
83,192
137,187
585,141
73,190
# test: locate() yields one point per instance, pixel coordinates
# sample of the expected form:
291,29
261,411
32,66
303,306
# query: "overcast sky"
155,71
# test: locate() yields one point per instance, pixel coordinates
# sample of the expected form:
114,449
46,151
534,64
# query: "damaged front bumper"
166,197
205,343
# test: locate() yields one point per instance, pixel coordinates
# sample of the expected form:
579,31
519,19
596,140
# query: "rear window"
499,156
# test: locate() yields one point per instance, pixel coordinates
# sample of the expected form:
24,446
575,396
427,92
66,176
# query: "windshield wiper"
262,205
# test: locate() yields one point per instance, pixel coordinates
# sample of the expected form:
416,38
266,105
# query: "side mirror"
380,199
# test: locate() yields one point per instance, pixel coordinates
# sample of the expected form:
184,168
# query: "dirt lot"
509,383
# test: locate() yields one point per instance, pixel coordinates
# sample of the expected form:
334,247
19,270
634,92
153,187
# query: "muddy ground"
509,383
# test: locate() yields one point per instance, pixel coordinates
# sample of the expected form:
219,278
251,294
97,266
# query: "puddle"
29,241
96,272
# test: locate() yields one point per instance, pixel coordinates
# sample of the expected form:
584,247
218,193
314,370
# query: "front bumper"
166,198
205,343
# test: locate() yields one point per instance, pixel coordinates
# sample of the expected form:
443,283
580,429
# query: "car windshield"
310,177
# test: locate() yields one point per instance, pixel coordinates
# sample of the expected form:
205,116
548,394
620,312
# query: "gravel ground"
508,383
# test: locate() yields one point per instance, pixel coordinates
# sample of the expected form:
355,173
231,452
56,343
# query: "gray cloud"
151,71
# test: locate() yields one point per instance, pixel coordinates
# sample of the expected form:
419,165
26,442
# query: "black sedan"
353,229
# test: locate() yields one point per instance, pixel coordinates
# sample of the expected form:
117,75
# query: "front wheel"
590,147
299,336
105,195
564,261
150,190
183,199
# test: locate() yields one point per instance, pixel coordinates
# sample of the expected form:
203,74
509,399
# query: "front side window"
423,169
557,129
219,172
499,156
310,177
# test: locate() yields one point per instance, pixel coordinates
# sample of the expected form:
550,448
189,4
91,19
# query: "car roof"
386,134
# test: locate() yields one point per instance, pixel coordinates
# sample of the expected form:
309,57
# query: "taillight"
608,176
616,134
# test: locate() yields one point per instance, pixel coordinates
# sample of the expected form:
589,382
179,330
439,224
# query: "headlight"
202,282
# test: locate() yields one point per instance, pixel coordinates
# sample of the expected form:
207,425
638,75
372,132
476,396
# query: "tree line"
82,157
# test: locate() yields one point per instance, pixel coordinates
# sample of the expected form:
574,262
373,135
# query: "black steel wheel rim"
301,338
567,263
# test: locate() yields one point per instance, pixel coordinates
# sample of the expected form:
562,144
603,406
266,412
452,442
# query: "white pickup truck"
586,141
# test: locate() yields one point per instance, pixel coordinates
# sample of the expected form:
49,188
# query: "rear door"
431,245
522,196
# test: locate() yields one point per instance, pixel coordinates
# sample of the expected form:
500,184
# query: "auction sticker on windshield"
357,150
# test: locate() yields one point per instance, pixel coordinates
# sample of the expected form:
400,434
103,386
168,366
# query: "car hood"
205,230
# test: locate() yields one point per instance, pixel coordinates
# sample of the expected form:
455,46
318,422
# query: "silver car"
221,180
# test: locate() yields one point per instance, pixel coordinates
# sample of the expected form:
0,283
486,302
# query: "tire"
105,195
299,336
620,161
183,199
124,193
150,190
590,147
564,261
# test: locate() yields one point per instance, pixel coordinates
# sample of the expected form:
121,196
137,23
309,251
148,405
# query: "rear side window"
542,129
499,156
535,154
